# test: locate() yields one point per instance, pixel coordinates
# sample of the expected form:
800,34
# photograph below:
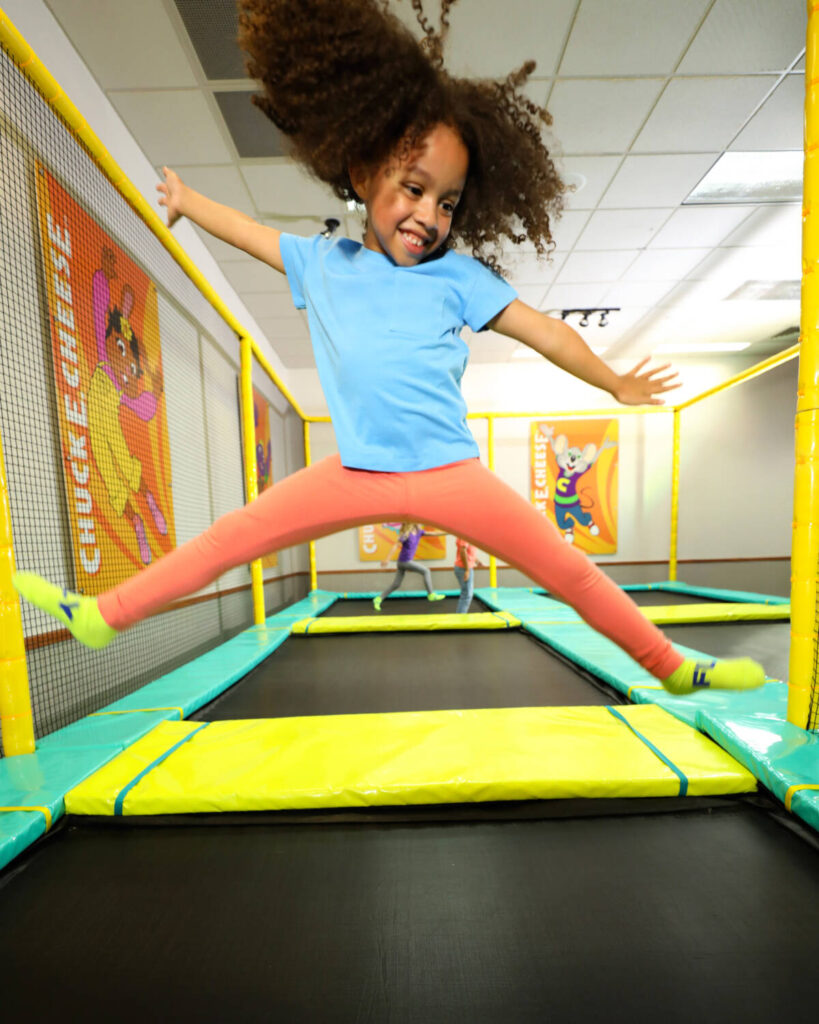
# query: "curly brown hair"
350,86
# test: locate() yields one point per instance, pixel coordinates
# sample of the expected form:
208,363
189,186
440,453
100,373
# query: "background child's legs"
422,571
466,499
466,585
397,579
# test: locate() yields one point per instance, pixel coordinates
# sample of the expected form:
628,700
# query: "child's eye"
414,190
448,207
121,347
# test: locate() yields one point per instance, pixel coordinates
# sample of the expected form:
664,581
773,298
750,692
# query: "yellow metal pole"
16,722
249,458
490,439
805,549
675,496
739,378
312,545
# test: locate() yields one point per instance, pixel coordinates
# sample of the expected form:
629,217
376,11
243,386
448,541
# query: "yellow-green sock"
435,597
730,674
79,614
377,603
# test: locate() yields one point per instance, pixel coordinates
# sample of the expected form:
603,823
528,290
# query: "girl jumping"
435,161
409,538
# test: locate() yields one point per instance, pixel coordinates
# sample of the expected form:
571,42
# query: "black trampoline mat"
674,917
401,606
361,673
765,642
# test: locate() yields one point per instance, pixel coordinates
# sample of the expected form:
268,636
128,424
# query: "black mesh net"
119,415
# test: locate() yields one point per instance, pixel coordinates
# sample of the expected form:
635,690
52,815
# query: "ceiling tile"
630,37
600,115
589,177
526,268
777,224
731,267
664,264
656,180
252,132
490,39
220,182
213,26
126,45
672,129
747,36
574,296
173,126
692,227
595,266
636,293
621,229
778,125
284,188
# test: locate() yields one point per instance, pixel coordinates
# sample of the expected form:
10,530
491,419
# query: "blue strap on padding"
506,621
127,789
669,764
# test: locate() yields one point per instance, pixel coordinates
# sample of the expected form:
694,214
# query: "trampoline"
673,907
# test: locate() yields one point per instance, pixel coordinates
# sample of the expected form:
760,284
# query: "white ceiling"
646,95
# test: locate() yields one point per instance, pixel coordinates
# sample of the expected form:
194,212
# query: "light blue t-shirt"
388,347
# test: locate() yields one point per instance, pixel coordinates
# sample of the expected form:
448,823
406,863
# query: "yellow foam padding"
410,758
404,623
726,612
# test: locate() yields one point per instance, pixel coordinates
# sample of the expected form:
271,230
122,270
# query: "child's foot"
435,597
730,674
377,603
80,615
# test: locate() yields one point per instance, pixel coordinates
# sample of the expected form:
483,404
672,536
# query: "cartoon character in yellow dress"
116,382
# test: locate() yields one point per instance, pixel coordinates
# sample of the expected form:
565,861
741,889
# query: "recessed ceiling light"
751,178
684,348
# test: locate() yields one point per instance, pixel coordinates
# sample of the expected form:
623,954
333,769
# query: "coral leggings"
463,498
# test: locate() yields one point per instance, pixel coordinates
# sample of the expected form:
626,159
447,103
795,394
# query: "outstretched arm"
564,347
223,222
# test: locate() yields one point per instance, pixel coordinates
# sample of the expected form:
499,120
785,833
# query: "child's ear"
360,180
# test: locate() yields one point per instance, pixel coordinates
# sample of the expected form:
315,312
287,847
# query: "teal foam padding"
43,778
192,685
746,596
113,731
316,602
806,805
18,829
368,595
781,755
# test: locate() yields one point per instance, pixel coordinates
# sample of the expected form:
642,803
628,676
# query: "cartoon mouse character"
572,464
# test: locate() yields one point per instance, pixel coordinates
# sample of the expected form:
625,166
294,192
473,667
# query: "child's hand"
171,197
635,388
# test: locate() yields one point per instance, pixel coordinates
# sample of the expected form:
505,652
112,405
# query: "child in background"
466,559
408,540
436,161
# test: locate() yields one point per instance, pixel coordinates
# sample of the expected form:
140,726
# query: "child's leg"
397,580
468,500
314,502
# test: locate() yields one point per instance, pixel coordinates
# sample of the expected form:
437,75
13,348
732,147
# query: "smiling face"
410,202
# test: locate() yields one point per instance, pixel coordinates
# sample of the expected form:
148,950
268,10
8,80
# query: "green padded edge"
750,725
18,829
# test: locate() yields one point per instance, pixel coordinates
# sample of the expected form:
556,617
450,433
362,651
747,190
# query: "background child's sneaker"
435,597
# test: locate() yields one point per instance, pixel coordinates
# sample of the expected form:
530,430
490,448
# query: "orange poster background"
114,460
264,457
376,540
596,487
